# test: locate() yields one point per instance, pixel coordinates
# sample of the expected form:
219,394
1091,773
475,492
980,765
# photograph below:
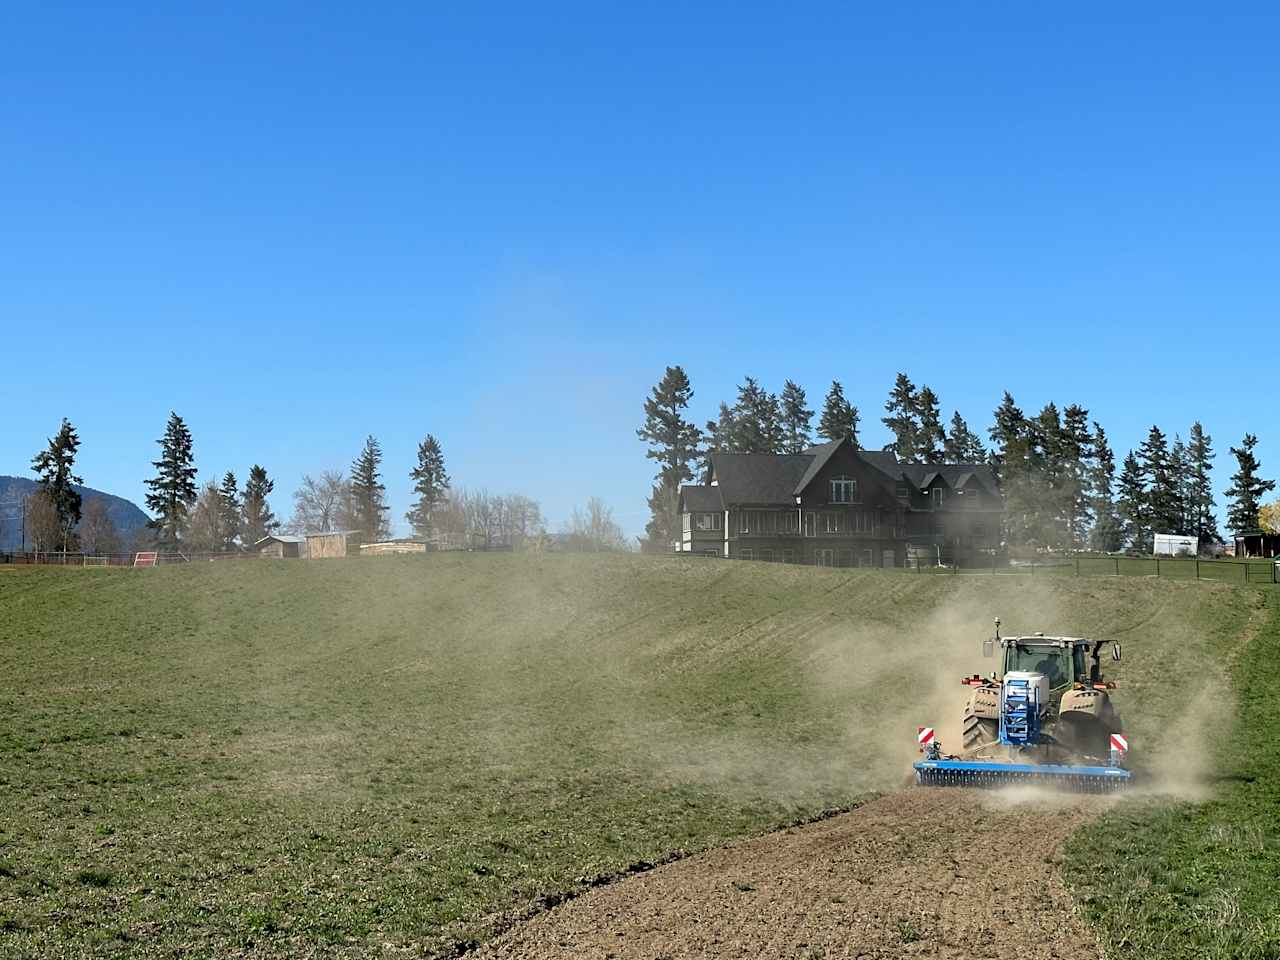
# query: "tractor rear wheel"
979,731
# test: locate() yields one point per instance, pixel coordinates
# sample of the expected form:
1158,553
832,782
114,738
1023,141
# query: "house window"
868,558
844,490
808,524
845,558
788,556
979,530
831,523
936,494
900,491
824,558
790,523
766,556
708,521
746,554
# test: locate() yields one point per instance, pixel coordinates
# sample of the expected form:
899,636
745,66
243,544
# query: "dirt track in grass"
923,873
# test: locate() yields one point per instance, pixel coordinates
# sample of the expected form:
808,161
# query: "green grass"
390,757
1200,880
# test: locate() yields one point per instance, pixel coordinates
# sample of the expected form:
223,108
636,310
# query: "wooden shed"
335,543
386,547
281,546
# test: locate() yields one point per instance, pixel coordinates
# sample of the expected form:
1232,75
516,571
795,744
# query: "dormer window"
844,490
937,495
901,492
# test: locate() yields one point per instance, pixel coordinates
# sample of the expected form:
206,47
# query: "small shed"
1258,543
1175,545
386,547
281,546
333,543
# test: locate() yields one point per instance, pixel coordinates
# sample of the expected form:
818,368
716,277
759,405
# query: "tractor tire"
979,731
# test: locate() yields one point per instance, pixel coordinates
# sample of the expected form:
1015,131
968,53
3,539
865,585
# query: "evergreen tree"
930,438
1131,502
257,520
1011,461
1204,522
962,445
230,499
1247,489
367,492
673,444
1049,502
796,417
1180,470
1077,450
173,489
1107,534
757,419
430,483
53,465
1162,493
721,436
903,419
839,417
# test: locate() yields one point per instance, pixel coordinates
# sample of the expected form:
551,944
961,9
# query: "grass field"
392,757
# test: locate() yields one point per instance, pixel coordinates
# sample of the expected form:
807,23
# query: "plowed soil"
923,873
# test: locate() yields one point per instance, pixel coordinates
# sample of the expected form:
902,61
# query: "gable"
873,487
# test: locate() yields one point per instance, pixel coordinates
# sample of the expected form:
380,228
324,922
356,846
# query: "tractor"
1047,717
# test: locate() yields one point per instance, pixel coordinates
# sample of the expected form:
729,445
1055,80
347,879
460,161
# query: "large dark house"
838,506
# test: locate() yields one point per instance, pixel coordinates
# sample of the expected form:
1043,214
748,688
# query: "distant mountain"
123,513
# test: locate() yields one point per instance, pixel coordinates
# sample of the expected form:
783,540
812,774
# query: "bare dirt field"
922,873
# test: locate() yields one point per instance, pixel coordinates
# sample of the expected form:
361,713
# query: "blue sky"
297,224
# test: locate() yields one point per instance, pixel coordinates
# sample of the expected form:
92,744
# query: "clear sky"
298,224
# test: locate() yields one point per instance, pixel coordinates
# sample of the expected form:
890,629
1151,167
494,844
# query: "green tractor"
1047,717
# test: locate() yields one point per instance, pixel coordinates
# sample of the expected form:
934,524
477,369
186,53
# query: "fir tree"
1107,534
930,438
839,417
673,444
1050,501
1131,503
1247,489
1162,493
903,419
962,445
757,419
230,499
367,492
54,465
721,436
1204,522
430,483
1180,471
1011,461
1077,451
173,489
257,520
796,417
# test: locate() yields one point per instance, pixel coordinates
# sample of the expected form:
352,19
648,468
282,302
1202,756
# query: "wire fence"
60,559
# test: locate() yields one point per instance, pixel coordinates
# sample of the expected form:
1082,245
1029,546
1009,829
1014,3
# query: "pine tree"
1204,522
962,445
1162,493
257,520
673,444
1011,461
839,417
230,498
54,465
796,417
430,483
173,489
1050,503
1247,489
1077,451
1180,471
1131,503
903,419
1107,534
757,419
721,436
367,492
930,438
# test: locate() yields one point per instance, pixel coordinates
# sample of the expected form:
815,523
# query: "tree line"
227,517
1056,468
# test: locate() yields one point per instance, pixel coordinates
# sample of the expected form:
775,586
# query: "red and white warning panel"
924,736
1120,742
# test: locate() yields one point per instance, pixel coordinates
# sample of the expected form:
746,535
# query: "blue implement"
992,773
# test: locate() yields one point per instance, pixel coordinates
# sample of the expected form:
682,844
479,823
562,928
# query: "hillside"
393,755
123,513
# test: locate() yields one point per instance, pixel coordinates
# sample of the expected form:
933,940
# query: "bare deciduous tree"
206,532
321,505
44,526
477,518
593,528
98,535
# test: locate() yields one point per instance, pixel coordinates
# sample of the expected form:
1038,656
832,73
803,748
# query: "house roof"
332,533
699,498
282,537
759,477
819,456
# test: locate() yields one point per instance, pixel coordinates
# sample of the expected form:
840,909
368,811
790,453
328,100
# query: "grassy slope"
388,756
1200,880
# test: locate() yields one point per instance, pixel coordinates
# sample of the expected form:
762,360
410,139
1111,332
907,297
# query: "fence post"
1197,568
1117,560
1077,565
1157,566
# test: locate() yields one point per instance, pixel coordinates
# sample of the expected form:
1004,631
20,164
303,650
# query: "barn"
281,546
334,543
